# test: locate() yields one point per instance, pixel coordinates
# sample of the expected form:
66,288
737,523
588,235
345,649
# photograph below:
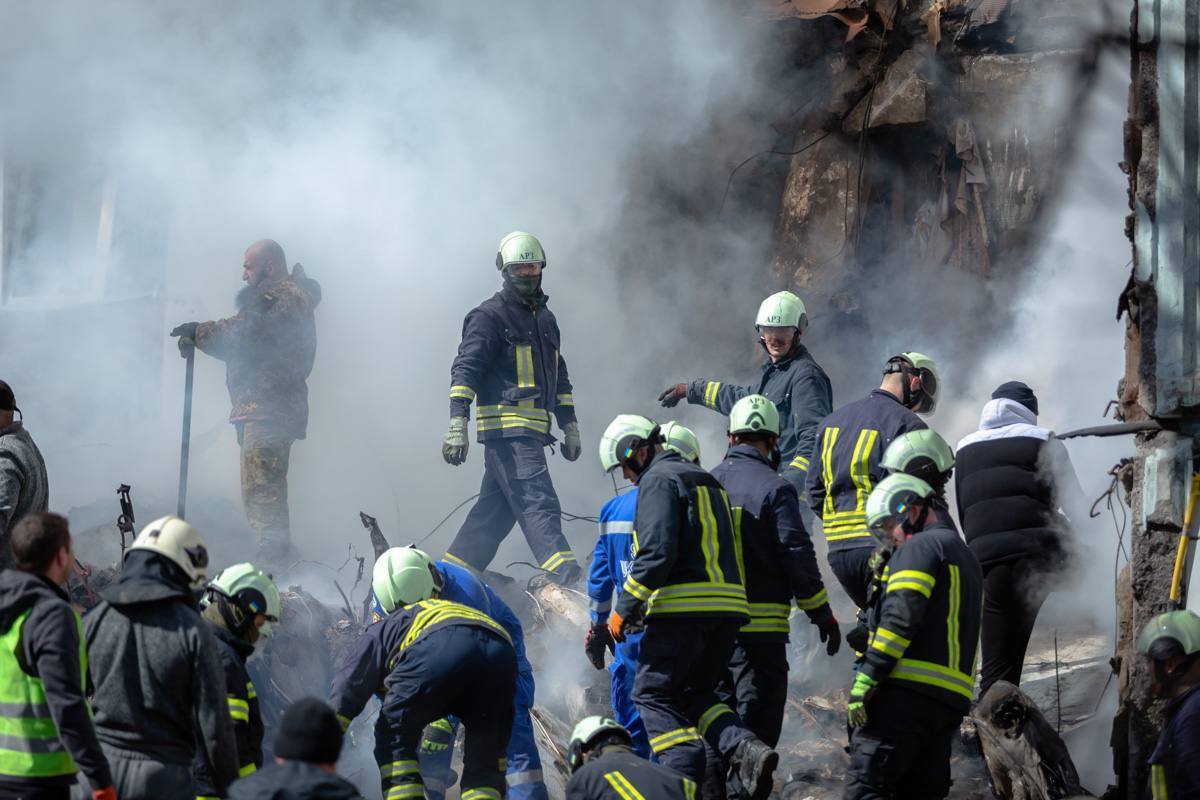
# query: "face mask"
526,287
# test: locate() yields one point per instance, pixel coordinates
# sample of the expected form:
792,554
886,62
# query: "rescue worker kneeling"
430,659
686,583
604,767
916,680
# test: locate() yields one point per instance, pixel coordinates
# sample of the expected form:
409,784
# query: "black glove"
831,634
187,337
858,638
672,395
598,640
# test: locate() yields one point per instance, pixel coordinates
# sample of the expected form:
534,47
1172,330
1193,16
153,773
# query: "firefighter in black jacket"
850,442
780,566
686,583
604,767
917,678
427,660
509,361
241,604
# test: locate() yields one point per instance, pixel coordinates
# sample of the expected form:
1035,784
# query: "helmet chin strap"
911,528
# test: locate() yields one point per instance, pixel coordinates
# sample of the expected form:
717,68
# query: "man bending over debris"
604,767
916,680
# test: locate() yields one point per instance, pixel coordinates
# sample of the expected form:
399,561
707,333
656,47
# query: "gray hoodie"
24,487
159,683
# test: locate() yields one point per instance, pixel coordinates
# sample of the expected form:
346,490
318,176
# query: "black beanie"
1015,390
7,401
309,731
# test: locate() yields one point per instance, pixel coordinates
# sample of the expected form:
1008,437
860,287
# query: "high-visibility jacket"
509,364
382,645
778,559
925,629
617,773
801,392
29,742
850,443
686,562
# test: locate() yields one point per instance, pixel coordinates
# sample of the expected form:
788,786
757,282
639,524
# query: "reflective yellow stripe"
689,789
688,598
800,463
250,692
246,769
463,392
710,393
671,738
453,559
912,579
860,471
557,560
710,716
492,418
709,543
524,357
239,710
482,793
926,672
952,648
433,612
813,603
636,589
406,790
566,400
1158,782
841,536
736,515
399,768
344,720
827,441
622,786
892,644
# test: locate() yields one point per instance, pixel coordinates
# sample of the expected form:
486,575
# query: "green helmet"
680,439
252,591
923,454
781,310
1172,633
403,576
586,731
520,248
623,435
754,414
924,400
891,498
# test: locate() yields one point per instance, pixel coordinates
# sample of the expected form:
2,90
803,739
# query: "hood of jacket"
19,591
240,646
746,452
1003,419
147,576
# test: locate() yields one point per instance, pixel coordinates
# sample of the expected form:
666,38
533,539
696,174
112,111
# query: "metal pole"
186,438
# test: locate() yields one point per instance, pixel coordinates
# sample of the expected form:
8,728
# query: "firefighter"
268,348
1171,643
685,585
460,585
611,560
509,361
850,443
791,379
427,660
605,767
780,567
916,679
44,714
240,605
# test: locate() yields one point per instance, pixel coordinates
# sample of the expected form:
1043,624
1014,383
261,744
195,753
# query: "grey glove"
454,445
572,445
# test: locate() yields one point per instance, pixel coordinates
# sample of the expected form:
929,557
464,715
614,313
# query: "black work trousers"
1013,594
755,685
517,489
680,664
852,568
903,752
460,670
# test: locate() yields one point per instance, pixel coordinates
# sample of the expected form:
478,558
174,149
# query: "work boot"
753,764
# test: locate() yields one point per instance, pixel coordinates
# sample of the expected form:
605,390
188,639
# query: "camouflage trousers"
265,454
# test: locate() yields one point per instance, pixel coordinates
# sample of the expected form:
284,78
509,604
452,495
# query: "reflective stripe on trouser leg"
400,779
488,522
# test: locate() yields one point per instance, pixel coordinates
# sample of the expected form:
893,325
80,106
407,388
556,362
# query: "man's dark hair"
37,539
756,436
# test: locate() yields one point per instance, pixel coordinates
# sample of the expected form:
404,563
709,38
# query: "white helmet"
403,576
624,435
781,310
180,542
680,439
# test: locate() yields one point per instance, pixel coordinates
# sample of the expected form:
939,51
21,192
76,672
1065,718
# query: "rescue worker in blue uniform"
509,362
428,660
685,586
611,561
604,767
917,678
850,442
791,379
459,585
780,566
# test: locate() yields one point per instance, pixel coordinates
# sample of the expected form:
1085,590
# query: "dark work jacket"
778,559
1005,488
293,780
610,775
381,646
509,363
925,628
1175,762
686,562
850,443
801,392
244,712
50,652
